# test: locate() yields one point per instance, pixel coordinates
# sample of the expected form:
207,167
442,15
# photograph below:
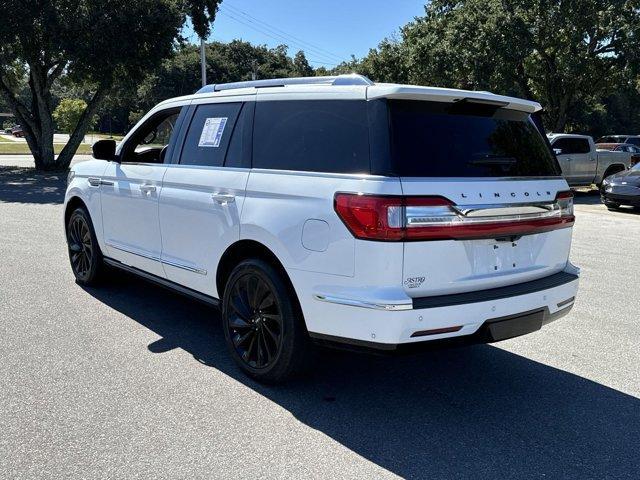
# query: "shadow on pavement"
26,185
475,412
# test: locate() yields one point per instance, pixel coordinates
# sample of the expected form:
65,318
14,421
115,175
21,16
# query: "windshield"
462,139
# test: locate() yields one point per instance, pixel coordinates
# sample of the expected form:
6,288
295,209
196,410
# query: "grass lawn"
20,148
117,138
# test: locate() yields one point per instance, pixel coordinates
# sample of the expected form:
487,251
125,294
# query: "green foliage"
99,45
575,57
68,113
226,62
135,116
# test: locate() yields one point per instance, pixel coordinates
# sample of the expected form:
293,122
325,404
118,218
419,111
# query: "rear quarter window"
433,139
312,135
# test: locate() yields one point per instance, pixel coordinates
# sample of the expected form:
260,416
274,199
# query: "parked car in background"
622,147
632,139
17,131
622,189
581,163
334,210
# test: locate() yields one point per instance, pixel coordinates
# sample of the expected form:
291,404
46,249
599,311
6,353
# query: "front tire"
263,327
84,252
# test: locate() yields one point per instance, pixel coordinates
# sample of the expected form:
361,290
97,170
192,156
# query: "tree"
226,62
301,67
68,113
569,55
96,43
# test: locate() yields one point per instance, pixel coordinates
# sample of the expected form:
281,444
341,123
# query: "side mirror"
104,150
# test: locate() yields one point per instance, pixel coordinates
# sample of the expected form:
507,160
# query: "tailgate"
446,266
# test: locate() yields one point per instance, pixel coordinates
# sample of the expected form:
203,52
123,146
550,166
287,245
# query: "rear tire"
263,326
84,252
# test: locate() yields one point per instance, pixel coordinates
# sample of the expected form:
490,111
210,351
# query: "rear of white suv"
342,212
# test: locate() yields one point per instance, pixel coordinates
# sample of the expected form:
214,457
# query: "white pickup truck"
582,163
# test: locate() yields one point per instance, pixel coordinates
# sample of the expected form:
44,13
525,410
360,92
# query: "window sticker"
212,132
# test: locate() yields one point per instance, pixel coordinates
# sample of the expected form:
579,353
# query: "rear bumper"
611,198
485,316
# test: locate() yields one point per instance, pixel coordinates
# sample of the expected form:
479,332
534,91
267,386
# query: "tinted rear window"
312,135
431,139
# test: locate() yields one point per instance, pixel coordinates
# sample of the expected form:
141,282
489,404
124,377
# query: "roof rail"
351,79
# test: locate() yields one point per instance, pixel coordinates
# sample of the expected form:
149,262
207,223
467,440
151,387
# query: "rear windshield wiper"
493,160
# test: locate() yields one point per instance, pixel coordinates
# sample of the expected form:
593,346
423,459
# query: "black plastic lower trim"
545,283
163,282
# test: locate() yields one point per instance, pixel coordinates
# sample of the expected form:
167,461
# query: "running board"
163,282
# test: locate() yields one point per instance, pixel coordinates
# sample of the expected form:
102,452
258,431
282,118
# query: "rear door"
204,191
477,163
585,161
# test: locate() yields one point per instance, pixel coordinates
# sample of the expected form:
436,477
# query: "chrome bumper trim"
363,304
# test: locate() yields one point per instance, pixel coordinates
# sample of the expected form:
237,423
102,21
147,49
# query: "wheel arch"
614,168
73,203
242,250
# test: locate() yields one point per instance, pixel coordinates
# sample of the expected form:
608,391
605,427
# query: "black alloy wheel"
84,252
263,324
255,321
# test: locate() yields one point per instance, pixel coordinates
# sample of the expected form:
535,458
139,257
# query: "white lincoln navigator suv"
334,210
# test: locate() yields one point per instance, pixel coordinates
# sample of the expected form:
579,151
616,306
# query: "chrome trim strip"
486,210
158,259
127,250
184,267
362,303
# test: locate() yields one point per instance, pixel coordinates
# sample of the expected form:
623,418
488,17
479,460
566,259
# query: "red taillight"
395,218
371,217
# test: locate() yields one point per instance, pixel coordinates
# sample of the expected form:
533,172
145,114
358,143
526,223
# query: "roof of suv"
351,87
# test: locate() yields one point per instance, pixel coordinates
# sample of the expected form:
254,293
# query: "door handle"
147,188
223,198
96,182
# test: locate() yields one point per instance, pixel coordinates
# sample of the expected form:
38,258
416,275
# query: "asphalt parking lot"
129,381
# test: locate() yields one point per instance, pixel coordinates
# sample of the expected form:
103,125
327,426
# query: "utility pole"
203,65
254,71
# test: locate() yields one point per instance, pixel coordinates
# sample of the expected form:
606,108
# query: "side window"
239,152
633,141
151,140
312,135
582,145
569,146
209,134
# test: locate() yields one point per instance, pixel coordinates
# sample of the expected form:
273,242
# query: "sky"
329,31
